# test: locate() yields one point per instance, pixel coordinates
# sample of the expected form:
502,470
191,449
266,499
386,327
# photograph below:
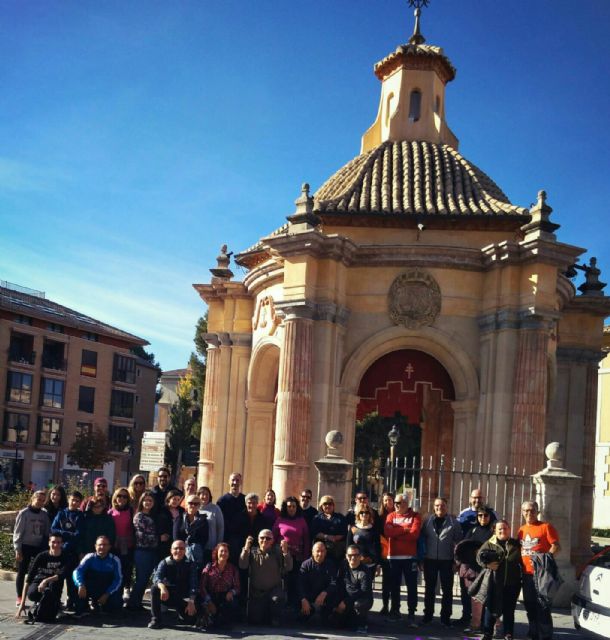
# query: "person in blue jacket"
98,578
69,523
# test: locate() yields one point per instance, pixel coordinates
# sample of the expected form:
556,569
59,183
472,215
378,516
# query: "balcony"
54,363
22,357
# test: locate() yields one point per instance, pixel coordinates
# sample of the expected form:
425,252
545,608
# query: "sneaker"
472,630
18,601
81,614
155,624
508,636
411,622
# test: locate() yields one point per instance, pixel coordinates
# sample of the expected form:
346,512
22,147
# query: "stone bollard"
333,471
554,493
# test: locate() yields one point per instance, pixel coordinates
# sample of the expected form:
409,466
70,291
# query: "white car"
591,605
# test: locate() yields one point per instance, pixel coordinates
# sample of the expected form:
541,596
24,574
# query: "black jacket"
195,532
179,577
356,584
315,578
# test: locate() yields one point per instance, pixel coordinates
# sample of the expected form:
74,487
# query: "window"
49,431
121,404
19,387
415,105
16,427
88,363
118,437
57,328
21,348
53,355
83,427
23,320
90,336
52,393
86,399
124,369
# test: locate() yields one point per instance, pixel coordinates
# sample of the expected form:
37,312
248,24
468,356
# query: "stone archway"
261,411
418,387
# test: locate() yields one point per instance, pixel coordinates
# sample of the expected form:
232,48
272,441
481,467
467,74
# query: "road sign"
152,454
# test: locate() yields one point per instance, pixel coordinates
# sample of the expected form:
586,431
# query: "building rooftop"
34,304
413,177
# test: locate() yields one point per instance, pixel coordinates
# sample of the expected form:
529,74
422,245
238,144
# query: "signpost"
152,453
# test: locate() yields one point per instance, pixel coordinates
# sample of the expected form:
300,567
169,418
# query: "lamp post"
393,436
19,429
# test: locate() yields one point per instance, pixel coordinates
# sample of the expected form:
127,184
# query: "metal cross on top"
417,37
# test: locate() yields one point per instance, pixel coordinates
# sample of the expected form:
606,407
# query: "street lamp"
393,436
19,429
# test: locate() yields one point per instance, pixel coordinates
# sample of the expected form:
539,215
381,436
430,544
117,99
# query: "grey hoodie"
31,528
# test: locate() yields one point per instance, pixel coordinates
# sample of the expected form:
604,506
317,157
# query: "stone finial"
222,264
540,225
333,440
554,452
592,286
304,217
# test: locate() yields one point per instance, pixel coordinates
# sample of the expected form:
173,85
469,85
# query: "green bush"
601,533
7,553
14,500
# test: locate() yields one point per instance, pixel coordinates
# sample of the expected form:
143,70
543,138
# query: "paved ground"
133,627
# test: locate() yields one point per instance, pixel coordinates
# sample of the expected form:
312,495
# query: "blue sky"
139,136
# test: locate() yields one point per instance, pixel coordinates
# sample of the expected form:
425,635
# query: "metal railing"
503,488
22,357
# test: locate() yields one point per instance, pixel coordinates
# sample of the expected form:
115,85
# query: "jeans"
28,553
145,561
408,569
466,601
432,570
539,617
176,601
97,587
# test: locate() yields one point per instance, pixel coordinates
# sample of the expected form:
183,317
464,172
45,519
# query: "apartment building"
63,372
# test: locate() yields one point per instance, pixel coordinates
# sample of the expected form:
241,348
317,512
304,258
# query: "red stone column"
209,414
293,417
530,398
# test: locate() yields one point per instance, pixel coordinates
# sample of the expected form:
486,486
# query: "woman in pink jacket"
292,527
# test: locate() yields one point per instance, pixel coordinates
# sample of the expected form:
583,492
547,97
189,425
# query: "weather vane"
417,37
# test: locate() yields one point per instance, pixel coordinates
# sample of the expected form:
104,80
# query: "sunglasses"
397,501
265,538
303,497
361,497
193,504
353,555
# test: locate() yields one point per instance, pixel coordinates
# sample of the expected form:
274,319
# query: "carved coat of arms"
414,299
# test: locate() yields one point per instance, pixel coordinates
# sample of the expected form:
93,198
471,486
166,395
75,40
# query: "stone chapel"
407,282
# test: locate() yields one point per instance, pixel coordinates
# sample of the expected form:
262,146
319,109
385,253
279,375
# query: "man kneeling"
44,582
267,565
318,584
98,578
174,585
356,581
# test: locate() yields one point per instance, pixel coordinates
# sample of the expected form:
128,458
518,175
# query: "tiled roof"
417,53
175,373
39,307
413,177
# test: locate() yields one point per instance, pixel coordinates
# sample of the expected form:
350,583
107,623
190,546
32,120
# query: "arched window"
415,105
437,105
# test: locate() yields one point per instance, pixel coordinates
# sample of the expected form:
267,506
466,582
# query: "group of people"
211,562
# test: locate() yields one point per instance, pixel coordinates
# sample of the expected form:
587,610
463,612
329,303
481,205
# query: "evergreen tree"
197,364
181,423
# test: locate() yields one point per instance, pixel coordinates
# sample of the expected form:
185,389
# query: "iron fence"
503,488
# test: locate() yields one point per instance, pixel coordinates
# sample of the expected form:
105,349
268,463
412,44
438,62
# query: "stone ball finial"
333,439
305,189
542,196
554,451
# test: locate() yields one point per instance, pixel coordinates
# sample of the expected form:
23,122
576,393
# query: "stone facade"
409,247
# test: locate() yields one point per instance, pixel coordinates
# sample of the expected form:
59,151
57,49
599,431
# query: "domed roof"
413,177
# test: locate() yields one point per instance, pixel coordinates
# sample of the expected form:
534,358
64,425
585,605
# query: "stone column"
334,472
209,414
554,491
293,421
530,395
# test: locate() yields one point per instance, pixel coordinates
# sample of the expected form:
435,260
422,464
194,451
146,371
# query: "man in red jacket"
402,531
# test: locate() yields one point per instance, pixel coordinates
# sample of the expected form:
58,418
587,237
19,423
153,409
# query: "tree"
181,423
372,438
197,363
90,450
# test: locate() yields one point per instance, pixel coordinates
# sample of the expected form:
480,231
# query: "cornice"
219,289
264,276
591,305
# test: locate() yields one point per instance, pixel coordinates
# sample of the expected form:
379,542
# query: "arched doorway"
412,389
261,410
